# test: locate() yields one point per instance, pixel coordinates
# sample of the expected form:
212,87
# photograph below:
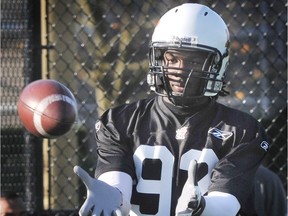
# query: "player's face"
180,66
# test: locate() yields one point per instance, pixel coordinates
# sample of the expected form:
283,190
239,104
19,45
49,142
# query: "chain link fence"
99,50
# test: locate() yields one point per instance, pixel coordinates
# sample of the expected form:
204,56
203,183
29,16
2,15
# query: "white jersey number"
163,184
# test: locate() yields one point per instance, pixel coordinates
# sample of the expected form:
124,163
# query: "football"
47,108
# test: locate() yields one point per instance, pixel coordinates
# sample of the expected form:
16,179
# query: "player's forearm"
220,204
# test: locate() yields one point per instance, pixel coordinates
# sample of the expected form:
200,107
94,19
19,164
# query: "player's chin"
177,89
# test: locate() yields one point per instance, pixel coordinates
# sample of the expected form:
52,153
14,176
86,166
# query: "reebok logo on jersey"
265,145
223,135
181,133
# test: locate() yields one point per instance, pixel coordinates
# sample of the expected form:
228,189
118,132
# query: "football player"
180,152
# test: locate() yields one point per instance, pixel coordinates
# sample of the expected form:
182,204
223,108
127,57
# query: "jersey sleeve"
235,171
114,152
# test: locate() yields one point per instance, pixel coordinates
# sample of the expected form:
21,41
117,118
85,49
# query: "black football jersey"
145,140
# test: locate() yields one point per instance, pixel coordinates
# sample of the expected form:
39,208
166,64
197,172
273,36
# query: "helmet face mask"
183,74
181,67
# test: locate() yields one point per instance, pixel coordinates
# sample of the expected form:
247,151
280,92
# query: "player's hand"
190,198
102,199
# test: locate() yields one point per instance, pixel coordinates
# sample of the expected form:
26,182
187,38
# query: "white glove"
190,198
102,199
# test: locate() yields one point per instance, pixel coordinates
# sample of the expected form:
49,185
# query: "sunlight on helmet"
197,40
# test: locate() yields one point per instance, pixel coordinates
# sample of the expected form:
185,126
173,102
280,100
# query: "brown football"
47,108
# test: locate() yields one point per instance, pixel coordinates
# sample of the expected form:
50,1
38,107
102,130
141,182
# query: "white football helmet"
189,28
